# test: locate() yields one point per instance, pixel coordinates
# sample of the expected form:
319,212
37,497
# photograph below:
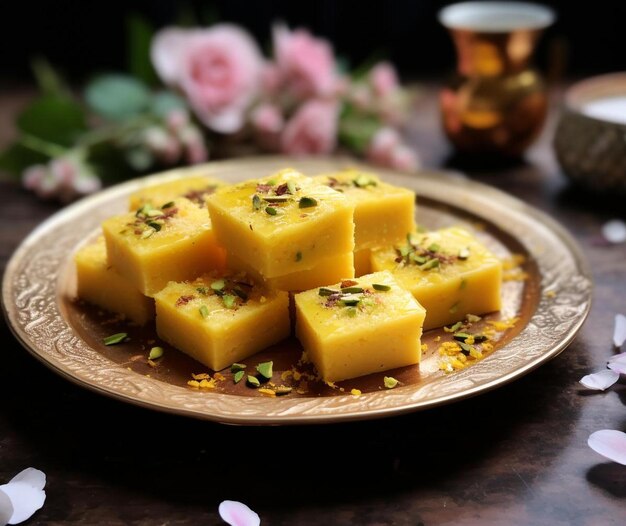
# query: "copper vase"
495,103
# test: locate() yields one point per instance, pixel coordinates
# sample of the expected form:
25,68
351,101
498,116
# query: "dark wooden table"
517,455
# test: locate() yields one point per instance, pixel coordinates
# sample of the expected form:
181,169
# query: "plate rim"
434,176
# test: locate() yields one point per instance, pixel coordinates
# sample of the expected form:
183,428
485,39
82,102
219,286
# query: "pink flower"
218,70
384,79
267,118
307,64
387,149
312,129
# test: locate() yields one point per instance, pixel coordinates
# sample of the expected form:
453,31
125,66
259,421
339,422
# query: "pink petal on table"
600,381
6,508
614,231
609,443
619,358
32,477
26,500
618,367
238,514
619,334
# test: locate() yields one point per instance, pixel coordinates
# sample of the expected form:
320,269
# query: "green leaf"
16,158
53,118
48,80
165,101
139,35
117,97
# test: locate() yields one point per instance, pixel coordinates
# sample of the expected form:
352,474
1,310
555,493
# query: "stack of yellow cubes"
221,261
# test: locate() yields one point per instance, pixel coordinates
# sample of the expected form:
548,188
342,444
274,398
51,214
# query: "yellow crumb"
286,374
487,347
201,376
514,275
207,384
193,383
449,349
514,261
262,299
457,364
424,347
219,377
438,339
333,385
470,339
266,392
550,293
502,325
297,375
355,392
152,363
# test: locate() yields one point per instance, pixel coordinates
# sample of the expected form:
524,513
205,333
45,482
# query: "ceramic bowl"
590,139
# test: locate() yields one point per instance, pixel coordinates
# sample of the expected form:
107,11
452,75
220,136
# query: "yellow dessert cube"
361,326
156,245
362,261
98,283
448,271
220,320
196,189
383,213
328,270
283,224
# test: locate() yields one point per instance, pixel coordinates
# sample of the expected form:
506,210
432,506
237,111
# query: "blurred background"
81,38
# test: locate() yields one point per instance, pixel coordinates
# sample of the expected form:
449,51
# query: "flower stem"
39,145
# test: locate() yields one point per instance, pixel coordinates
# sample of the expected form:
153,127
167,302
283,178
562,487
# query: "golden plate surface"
552,303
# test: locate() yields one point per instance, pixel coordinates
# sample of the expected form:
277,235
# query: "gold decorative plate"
551,304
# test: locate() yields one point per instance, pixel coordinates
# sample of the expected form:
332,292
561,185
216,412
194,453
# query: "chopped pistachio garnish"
115,338
276,199
430,264
253,381
256,202
472,318
454,308
155,353
218,285
363,181
238,376
236,367
169,204
390,382
271,211
241,293
265,369
291,186
454,327
462,336
464,253
327,292
282,390
229,301
379,286
350,301
202,290
307,202
351,312
352,290
465,348
298,256
434,247
204,311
